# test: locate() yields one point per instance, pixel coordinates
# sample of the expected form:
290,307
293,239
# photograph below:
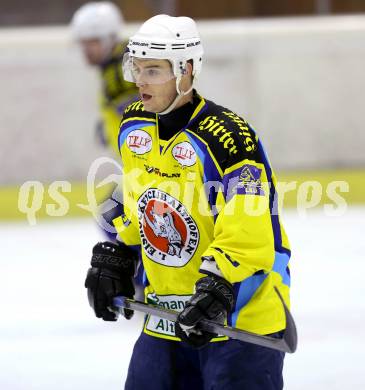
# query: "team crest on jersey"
184,153
139,141
168,233
250,181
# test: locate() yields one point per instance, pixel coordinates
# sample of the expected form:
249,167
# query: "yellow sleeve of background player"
111,120
116,94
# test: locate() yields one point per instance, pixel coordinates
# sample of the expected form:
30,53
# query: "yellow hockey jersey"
207,191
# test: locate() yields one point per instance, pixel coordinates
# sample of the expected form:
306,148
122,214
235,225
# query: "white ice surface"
49,338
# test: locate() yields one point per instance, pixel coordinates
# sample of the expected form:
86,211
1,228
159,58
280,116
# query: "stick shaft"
234,333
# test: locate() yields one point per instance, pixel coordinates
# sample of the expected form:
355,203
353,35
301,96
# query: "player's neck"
171,123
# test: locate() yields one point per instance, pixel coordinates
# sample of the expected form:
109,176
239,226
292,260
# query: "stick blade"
290,336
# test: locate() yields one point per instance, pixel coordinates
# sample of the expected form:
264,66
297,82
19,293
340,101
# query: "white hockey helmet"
166,37
97,20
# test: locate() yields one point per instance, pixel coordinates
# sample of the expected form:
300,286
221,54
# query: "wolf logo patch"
250,181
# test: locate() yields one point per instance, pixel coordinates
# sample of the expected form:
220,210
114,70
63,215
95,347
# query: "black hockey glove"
111,274
212,300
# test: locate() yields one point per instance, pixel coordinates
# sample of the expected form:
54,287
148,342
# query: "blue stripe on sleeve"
230,182
281,266
246,290
273,203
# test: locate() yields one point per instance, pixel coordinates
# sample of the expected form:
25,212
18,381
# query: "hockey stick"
288,342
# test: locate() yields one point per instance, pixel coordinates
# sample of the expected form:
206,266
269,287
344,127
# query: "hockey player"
200,203
96,27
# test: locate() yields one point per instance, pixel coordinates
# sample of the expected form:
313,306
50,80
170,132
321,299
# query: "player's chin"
150,106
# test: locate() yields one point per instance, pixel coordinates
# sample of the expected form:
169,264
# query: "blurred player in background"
96,27
206,249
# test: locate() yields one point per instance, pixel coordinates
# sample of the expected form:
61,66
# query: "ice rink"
49,338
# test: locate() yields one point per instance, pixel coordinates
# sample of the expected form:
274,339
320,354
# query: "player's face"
93,50
156,83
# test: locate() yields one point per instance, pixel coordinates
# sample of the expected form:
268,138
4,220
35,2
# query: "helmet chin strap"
179,95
